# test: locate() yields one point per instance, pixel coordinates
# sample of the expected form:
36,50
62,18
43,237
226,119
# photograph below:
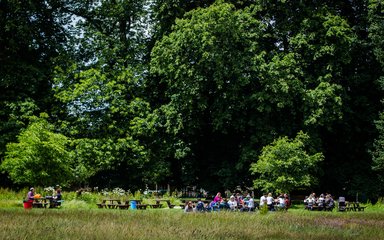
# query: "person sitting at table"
217,198
281,201
199,206
320,202
270,202
57,198
189,207
250,203
232,203
310,202
329,202
223,205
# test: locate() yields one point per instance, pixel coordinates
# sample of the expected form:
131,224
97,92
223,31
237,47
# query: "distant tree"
285,165
40,157
32,35
376,33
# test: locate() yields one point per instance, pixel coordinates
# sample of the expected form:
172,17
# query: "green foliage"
285,165
40,157
109,121
376,33
378,151
264,209
239,77
32,35
186,92
18,114
376,28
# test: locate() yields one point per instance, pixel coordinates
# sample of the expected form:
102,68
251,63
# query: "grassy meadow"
79,219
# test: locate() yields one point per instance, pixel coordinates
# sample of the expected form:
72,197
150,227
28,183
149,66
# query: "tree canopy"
193,92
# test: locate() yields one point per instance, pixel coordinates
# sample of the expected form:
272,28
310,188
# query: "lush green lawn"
64,223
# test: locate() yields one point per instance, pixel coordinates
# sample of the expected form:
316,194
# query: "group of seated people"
238,202
54,201
281,202
323,202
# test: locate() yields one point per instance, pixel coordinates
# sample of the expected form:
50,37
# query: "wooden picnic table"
40,202
354,206
170,205
113,203
109,203
139,204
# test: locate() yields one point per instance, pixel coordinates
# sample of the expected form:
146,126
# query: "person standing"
31,194
270,202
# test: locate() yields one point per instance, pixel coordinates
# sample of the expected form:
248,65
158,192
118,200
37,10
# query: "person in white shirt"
320,202
310,202
270,202
263,200
281,201
232,203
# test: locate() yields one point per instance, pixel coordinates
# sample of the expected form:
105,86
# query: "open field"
79,218
17,223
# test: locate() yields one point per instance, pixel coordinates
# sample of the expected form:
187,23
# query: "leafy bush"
7,194
76,204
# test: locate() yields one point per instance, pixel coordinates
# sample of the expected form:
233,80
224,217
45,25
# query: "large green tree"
40,157
286,165
32,35
237,79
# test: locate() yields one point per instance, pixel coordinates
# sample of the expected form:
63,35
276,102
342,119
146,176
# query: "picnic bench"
125,205
355,206
113,203
157,205
40,203
101,205
350,206
167,201
109,203
141,206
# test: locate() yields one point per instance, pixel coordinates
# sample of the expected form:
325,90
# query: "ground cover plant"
79,218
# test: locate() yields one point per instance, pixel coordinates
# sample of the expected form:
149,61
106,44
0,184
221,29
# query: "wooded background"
190,92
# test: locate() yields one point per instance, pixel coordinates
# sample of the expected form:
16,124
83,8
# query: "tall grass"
80,219
174,224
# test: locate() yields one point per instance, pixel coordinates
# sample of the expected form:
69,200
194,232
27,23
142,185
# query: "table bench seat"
101,205
142,206
156,205
40,205
123,206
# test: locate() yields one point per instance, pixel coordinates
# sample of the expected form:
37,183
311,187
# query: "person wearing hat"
31,194
250,203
